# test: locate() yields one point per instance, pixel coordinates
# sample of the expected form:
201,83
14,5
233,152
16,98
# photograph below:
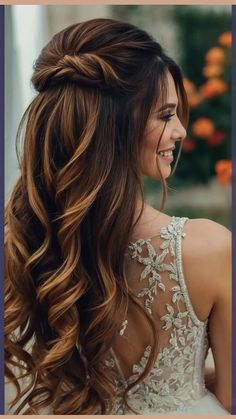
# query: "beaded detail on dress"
177,377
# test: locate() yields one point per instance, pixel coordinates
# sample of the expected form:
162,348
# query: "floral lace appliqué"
176,379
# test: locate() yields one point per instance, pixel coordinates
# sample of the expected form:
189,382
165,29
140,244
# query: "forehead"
171,90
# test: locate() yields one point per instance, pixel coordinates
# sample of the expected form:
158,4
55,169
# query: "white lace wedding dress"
175,385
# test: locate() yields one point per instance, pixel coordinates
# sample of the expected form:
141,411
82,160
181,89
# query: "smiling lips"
167,154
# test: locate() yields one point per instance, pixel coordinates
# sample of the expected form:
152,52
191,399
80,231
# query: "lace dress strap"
179,224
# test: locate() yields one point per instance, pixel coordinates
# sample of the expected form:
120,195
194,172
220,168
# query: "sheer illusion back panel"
154,272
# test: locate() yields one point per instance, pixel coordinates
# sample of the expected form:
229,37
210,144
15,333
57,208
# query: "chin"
166,173
155,176
165,170
153,173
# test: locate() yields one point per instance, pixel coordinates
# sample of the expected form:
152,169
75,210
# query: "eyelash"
167,117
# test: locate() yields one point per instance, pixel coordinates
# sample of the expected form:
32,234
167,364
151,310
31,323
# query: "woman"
108,309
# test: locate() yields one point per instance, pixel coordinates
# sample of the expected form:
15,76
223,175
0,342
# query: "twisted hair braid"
85,69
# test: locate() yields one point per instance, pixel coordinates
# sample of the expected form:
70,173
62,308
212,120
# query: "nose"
179,132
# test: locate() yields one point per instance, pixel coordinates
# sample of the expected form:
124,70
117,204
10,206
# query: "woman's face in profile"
160,117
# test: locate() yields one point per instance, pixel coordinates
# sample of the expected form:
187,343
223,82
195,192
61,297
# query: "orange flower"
215,55
223,170
213,87
225,39
193,96
216,139
203,128
212,70
194,100
188,145
189,86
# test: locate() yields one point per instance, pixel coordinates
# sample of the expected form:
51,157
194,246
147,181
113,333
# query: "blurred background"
199,39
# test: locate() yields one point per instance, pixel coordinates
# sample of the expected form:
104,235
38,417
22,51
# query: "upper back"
171,271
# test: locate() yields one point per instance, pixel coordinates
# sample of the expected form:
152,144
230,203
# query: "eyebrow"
167,106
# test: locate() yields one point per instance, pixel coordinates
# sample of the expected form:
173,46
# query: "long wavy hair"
70,216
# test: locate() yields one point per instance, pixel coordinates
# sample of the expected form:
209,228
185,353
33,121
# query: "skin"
207,257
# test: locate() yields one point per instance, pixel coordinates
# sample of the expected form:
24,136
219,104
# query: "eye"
167,117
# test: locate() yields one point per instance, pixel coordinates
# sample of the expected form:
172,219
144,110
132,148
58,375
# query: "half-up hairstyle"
70,216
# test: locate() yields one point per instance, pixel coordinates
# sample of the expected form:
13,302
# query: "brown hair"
70,216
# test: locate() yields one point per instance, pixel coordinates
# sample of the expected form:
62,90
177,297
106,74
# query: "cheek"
151,144
148,154
151,140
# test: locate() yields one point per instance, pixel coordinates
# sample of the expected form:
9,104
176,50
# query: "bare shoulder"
207,262
207,238
208,229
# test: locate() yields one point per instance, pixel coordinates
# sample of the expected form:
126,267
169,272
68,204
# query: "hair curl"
68,219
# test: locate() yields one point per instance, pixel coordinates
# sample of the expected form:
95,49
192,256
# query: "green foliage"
198,32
